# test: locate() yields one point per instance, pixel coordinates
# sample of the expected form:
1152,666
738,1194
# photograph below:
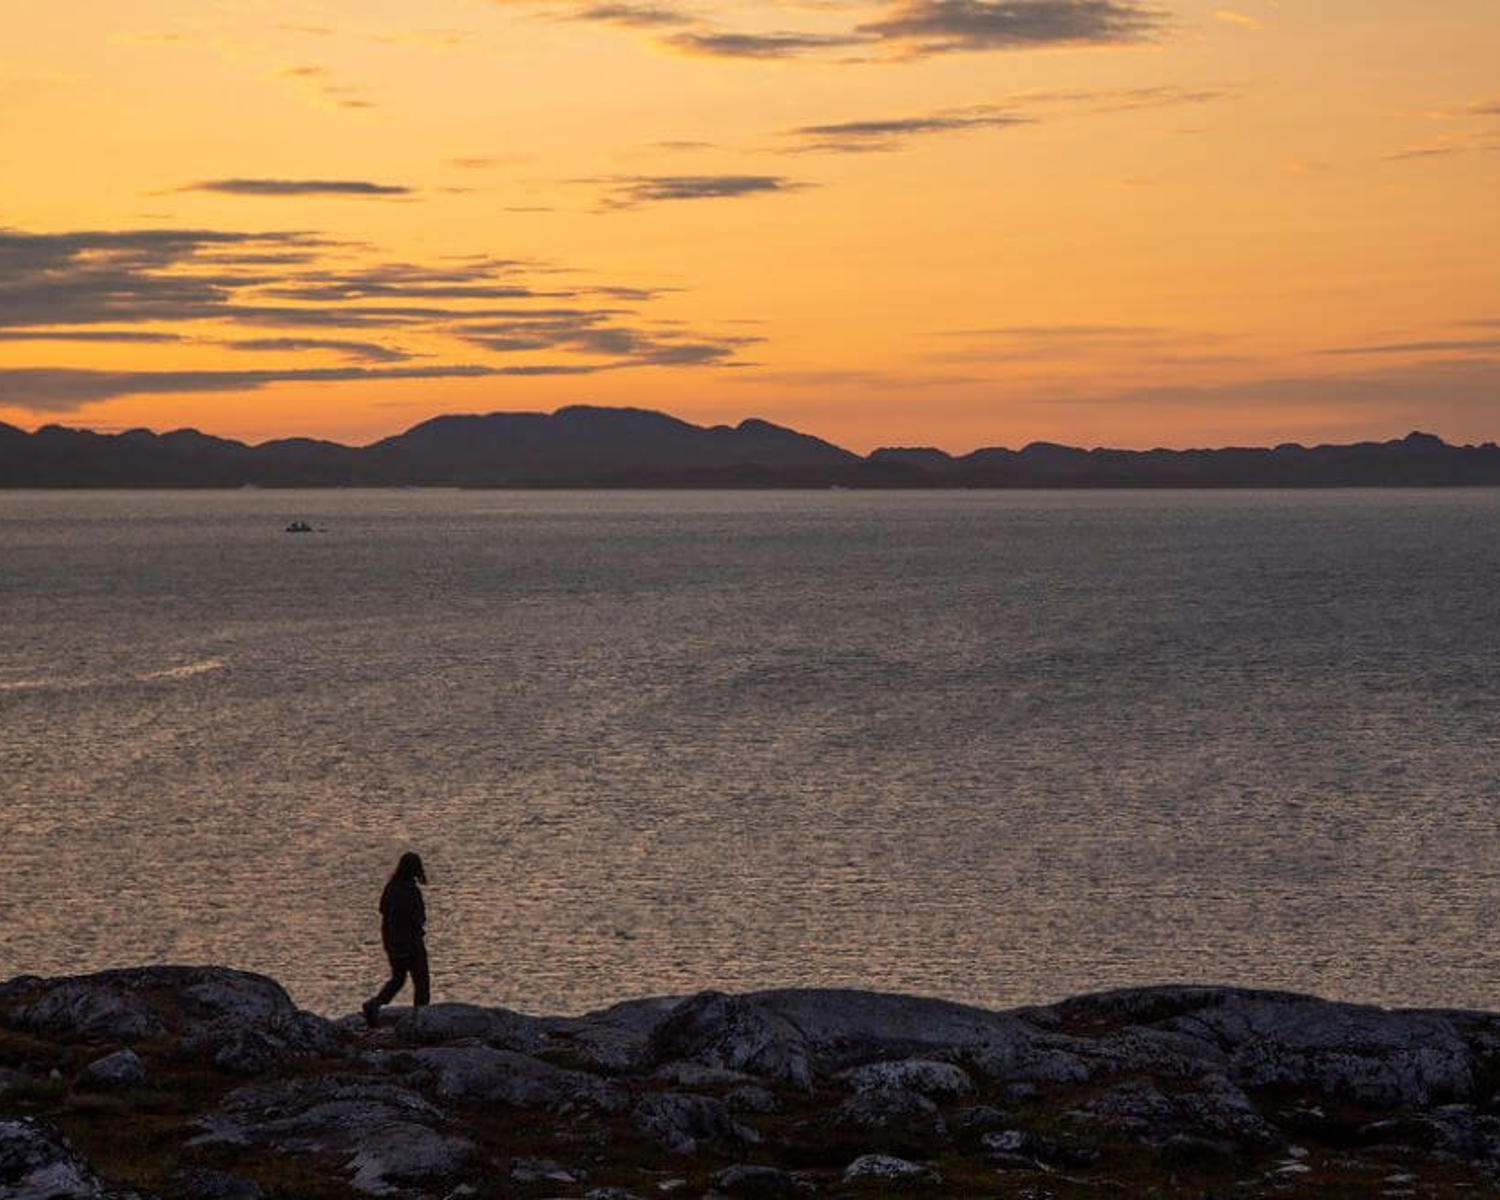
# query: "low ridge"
587,446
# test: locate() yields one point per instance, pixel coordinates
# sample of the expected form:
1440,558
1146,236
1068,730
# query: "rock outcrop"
182,1082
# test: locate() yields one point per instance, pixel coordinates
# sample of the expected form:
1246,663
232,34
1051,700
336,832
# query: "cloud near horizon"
61,389
56,287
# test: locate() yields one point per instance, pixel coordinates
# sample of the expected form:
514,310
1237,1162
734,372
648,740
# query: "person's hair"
410,867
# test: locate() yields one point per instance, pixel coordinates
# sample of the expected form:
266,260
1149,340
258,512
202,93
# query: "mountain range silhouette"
585,446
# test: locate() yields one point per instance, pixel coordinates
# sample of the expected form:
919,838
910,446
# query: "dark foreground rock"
180,1082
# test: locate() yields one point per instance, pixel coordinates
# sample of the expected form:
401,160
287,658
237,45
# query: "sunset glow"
884,222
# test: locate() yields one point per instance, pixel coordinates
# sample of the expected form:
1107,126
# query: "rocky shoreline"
208,1083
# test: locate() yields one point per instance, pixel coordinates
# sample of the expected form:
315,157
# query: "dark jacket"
403,918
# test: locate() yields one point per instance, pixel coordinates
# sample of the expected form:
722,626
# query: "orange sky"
948,222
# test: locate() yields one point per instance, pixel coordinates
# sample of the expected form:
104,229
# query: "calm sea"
995,746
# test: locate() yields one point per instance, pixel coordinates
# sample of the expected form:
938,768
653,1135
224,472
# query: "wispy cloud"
904,29
320,86
636,16
852,137
599,331
632,191
360,351
759,45
298,187
924,27
1432,346
1023,108
60,389
127,336
102,286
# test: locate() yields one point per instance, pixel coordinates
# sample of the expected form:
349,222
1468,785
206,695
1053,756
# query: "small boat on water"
299,527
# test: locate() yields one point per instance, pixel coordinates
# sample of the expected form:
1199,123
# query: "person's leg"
421,980
395,983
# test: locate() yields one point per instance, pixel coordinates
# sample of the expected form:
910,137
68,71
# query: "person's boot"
371,1009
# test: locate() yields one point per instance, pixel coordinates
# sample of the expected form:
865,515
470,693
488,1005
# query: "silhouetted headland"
628,448
209,1083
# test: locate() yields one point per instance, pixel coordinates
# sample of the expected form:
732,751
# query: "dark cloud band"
298,187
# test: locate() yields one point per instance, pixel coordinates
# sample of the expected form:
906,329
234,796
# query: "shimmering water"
998,747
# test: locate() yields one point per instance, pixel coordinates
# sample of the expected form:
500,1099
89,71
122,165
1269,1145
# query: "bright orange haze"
953,222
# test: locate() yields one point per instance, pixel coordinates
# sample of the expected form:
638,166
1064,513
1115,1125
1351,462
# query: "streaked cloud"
61,287
637,16
598,331
361,351
126,336
632,191
925,27
1432,346
902,30
893,133
853,137
60,389
759,45
298,187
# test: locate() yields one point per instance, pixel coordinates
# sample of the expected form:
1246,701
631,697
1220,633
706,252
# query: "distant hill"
586,446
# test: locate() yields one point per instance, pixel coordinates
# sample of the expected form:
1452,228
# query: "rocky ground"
202,1082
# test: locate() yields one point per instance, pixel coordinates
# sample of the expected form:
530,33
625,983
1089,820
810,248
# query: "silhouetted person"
403,928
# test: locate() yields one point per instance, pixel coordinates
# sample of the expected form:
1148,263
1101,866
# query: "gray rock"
752,1099
1160,1052
390,1137
843,1028
733,1033
889,1108
1215,1109
749,1180
790,1035
981,1117
435,1024
231,1019
37,1163
683,1123
1025,1149
614,1039
696,1075
1185,1151
1370,1055
85,1011
199,1183
478,1074
935,1080
1464,1133
888,1169
114,1072
544,1170
1032,1058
